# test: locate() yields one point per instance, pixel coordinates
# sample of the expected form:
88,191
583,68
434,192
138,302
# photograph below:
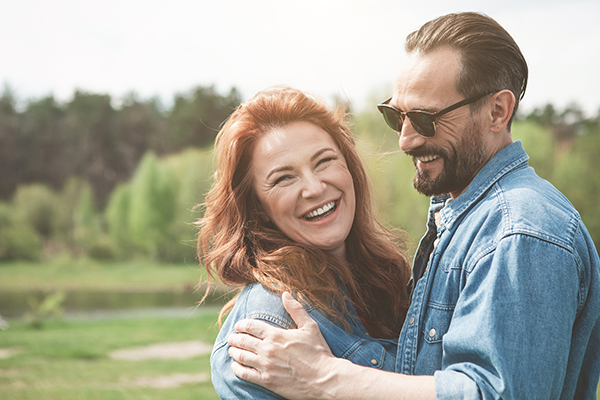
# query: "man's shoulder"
535,197
532,205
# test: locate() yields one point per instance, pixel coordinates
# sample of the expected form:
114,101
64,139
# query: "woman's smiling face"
304,185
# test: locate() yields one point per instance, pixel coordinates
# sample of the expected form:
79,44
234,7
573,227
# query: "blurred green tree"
196,116
9,136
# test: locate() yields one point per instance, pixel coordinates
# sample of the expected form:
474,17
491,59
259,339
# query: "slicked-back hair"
490,58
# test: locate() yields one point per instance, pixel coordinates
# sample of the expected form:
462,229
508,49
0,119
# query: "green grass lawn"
68,359
87,274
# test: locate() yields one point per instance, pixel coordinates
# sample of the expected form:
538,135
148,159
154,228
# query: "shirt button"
411,320
374,362
432,332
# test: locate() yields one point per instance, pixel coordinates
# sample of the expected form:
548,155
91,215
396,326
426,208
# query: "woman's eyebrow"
278,169
321,151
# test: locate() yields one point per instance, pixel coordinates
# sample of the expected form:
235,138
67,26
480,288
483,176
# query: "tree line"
89,137
88,178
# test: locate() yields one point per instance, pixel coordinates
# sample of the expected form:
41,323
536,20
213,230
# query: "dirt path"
174,350
163,351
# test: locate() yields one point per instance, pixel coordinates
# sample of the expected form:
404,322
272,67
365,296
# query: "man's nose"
408,137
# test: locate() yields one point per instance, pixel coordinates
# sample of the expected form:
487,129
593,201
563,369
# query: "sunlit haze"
336,49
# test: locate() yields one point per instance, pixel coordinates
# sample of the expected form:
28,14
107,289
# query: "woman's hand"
294,363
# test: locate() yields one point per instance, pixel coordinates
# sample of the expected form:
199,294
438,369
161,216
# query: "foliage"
193,171
197,116
540,146
153,214
118,183
151,205
81,224
117,218
577,176
37,206
88,137
17,241
51,306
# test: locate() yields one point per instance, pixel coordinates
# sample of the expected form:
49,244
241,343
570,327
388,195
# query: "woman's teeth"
321,211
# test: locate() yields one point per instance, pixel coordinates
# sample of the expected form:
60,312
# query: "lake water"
17,304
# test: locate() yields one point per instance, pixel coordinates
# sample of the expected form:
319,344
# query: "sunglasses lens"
422,124
393,119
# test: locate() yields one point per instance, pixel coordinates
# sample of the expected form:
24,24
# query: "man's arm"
298,364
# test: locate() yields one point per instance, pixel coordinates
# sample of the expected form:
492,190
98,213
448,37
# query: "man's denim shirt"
255,301
509,303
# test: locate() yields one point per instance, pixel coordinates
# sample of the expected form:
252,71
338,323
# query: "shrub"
36,205
151,207
117,220
18,241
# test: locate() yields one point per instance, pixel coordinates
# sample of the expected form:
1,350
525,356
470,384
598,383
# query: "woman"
290,210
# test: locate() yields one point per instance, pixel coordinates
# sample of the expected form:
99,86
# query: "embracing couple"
503,300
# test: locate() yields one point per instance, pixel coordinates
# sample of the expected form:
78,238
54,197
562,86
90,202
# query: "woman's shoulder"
257,302
254,301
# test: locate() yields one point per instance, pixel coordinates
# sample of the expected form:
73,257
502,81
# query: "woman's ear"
502,106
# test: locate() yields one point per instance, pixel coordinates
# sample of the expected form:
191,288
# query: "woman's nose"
313,186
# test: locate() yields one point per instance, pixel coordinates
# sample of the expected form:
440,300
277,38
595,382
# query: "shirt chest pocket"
436,322
369,354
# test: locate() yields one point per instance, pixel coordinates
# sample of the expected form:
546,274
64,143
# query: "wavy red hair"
239,245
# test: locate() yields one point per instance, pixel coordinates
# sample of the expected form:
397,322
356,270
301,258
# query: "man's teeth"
428,158
320,211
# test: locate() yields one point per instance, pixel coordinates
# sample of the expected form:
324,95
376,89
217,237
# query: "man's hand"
291,362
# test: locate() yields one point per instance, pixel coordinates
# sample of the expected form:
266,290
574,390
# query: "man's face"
448,161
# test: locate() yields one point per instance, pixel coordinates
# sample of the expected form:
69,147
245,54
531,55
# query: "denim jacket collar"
510,158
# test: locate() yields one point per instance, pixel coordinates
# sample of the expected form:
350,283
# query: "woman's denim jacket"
255,301
509,303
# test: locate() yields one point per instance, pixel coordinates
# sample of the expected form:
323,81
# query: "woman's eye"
282,179
325,161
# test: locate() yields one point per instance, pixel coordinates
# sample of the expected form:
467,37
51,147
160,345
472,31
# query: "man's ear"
502,106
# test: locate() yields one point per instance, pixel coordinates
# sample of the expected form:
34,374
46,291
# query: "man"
506,293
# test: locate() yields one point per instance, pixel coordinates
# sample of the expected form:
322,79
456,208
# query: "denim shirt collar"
510,158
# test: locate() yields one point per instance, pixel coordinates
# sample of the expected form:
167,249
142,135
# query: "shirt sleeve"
227,385
254,302
510,334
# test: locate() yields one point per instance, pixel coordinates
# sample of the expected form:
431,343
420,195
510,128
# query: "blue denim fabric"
255,301
509,304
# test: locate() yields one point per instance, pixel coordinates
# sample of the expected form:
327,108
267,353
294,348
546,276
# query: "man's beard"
460,164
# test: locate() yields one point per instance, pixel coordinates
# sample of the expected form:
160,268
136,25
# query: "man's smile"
429,158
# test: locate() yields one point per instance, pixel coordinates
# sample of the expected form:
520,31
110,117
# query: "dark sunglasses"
422,121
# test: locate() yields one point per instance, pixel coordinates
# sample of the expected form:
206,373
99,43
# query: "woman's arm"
257,302
298,364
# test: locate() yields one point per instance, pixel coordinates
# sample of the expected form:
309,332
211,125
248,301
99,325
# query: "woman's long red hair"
239,245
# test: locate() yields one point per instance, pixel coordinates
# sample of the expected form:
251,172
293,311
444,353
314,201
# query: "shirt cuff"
455,385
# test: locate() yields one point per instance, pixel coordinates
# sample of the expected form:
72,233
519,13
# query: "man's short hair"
490,58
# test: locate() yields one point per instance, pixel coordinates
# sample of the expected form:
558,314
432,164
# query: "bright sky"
333,48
